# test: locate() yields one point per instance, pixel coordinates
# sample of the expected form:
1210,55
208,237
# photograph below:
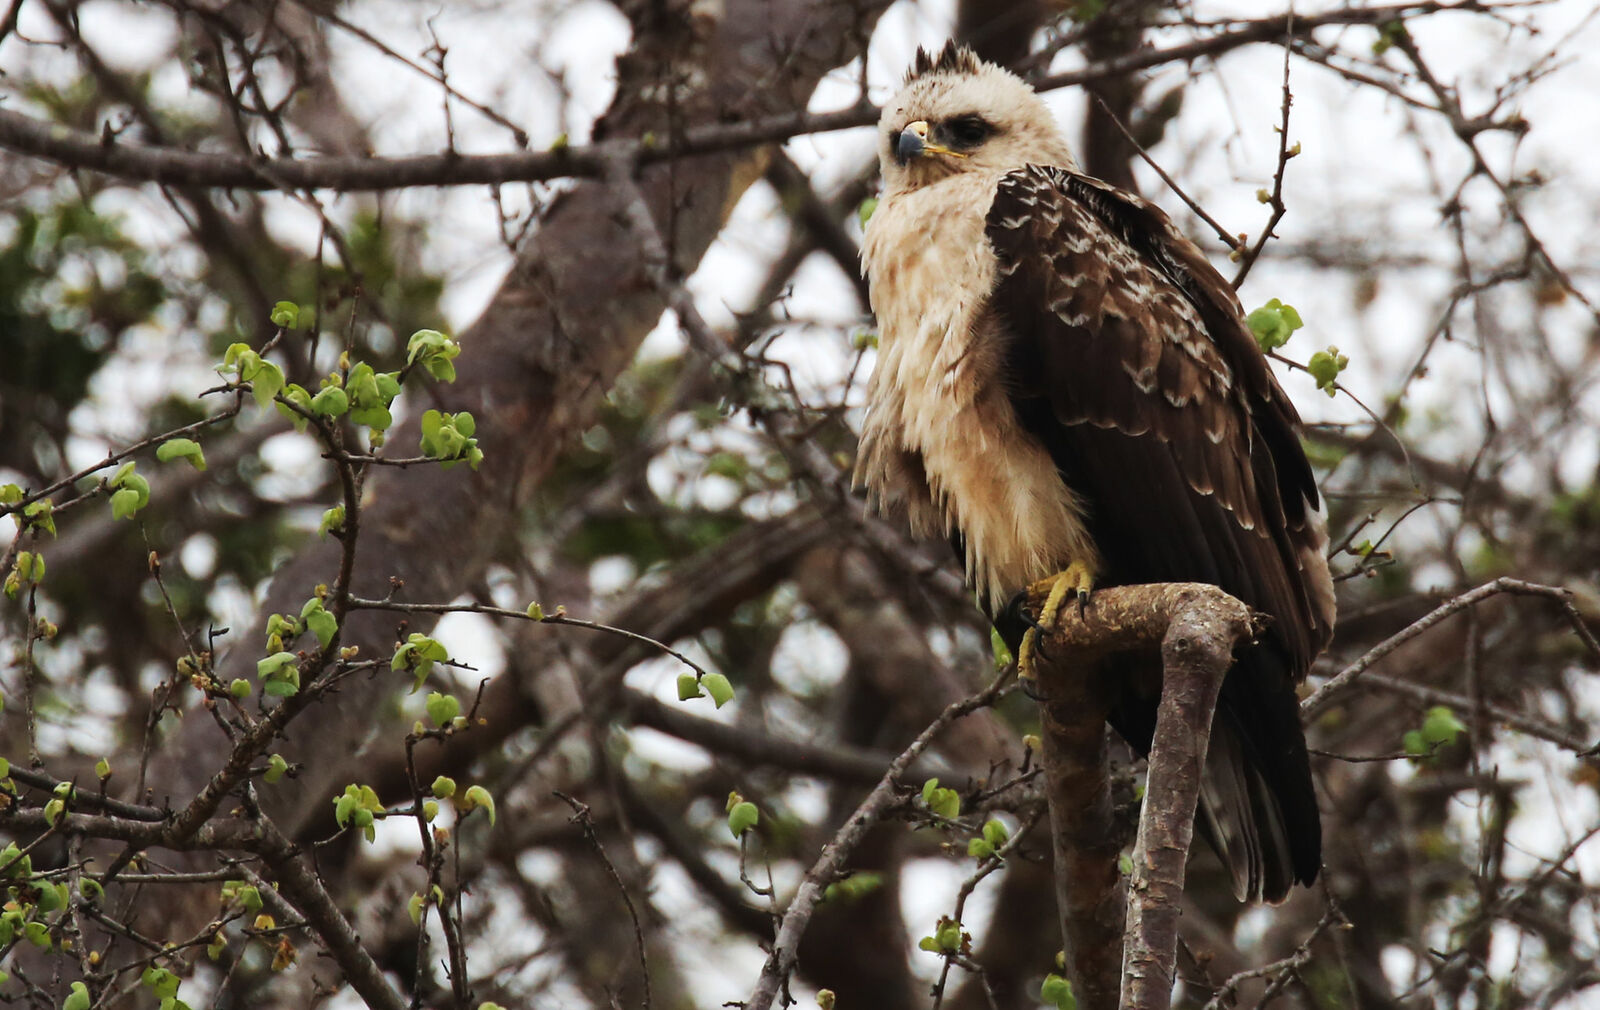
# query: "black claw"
1030,687
1083,602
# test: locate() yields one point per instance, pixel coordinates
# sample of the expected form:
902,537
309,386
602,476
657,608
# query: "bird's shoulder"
1092,249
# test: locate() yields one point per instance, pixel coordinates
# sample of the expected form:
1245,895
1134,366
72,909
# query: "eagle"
1067,390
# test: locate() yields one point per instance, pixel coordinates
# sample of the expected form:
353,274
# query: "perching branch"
1196,628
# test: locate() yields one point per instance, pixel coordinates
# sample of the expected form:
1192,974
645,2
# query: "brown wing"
1129,360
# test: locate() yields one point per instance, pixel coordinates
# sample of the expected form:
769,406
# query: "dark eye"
968,131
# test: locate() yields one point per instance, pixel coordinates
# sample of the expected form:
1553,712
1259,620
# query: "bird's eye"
968,131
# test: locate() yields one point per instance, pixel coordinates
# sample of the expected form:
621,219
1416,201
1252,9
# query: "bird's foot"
1078,579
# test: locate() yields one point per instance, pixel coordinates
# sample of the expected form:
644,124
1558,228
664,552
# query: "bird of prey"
1067,390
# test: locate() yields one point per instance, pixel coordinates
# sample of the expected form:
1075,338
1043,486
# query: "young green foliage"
435,352
279,674
1273,324
417,655
718,687
1057,992
1325,367
742,814
321,623
182,448
265,378
948,938
448,438
994,837
242,893
442,708
1440,728
943,802
475,797
358,806
130,493
276,767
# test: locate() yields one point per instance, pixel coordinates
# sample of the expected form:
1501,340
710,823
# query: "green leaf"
38,934
276,767
718,687
182,448
344,806
239,688
535,611
40,515
89,889
51,897
266,382
124,504
331,402
1125,865
443,787
160,981
1414,744
102,769
322,624
442,707
477,796
279,674
286,315
1057,992
689,687
743,817
430,810
944,802
1273,324
864,212
332,521
376,417
977,848
78,998
999,650
1325,367
995,833
10,494
928,944
274,664
296,394
52,811
435,352
414,908
242,892
1440,726
948,935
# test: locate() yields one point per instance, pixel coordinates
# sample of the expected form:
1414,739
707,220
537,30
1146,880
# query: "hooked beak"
913,143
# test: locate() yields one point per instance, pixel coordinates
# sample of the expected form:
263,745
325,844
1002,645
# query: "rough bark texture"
1196,627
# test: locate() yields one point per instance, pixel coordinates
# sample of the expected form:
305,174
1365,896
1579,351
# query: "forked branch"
1195,627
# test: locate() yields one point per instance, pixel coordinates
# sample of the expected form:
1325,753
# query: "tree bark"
1196,627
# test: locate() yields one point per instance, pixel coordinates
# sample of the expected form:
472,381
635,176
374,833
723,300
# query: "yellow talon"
1078,578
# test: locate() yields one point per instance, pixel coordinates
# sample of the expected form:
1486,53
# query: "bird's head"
957,113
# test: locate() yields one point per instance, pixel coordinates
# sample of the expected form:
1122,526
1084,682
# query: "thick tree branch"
80,149
1196,627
